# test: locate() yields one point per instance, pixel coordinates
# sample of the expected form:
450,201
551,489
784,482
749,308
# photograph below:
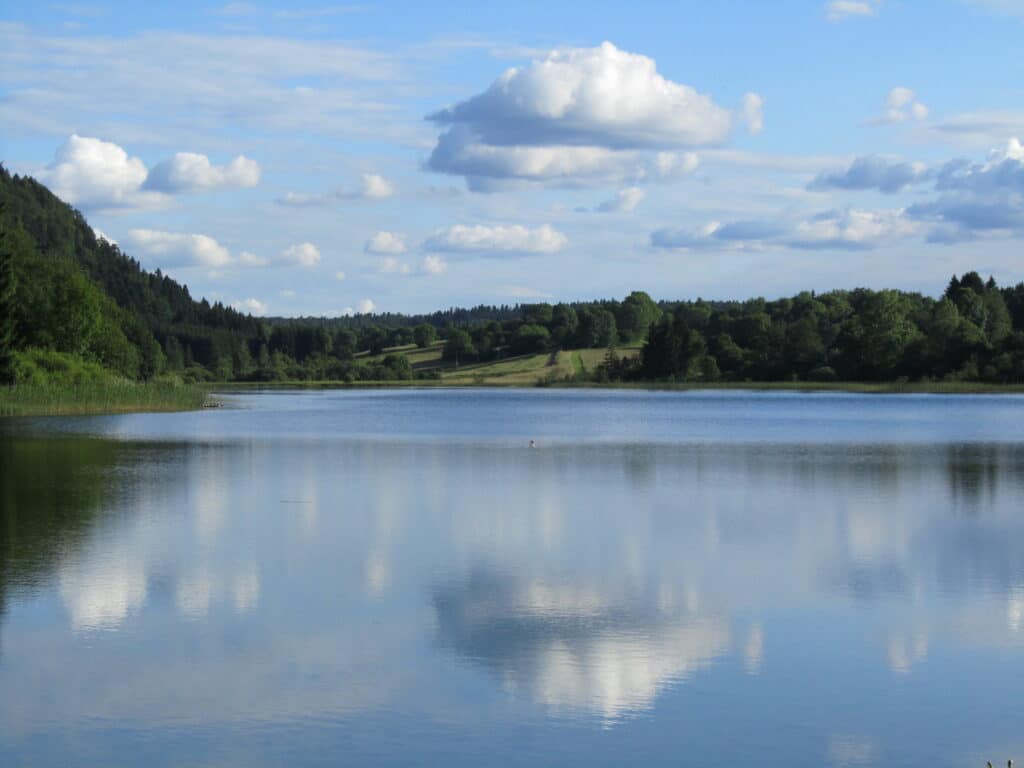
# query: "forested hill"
75,307
76,294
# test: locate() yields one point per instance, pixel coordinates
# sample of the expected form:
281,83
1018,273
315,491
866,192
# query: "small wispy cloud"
840,10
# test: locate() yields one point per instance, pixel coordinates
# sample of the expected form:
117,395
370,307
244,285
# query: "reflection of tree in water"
974,472
572,647
55,489
52,491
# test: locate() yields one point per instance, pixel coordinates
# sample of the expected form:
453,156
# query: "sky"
327,159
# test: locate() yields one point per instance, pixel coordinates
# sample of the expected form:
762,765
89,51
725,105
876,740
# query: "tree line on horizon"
74,307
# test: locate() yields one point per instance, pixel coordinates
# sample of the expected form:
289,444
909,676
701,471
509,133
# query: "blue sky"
325,158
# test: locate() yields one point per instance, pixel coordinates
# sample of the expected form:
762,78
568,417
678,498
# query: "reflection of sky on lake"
268,598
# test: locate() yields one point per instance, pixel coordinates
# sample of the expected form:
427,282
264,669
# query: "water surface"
394,577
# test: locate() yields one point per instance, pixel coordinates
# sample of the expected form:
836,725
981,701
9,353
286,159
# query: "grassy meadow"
522,371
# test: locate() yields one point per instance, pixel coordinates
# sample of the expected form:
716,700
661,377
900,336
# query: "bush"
45,366
822,373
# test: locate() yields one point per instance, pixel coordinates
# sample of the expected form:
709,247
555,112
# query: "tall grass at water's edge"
98,397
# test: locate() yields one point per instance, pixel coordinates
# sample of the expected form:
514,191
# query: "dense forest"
74,308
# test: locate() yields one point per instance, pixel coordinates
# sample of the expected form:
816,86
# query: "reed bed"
98,397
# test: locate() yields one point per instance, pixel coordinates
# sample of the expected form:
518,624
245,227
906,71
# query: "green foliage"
530,339
47,366
8,299
597,327
565,324
424,335
538,314
635,316
459,347
669,348
971,334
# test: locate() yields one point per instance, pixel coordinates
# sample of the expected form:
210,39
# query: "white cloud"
753,112
852,228
977,198
433,265
849,229
1014,150
376,187
252,306
339,275
96,174
247,259
625,201
872,172
288,293
385,242
579,114
373,187
101,235
164,85
980,129
173,249
522,292
691,239
838,10
1007,7
902,105
669,165
487,166
191,172
301,200
235,9
392,266
1003,171
302,254
318,12
590,96
497,239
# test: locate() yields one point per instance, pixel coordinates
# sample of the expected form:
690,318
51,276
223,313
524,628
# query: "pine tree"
952,288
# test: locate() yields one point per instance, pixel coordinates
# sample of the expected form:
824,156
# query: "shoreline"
147,398
854,387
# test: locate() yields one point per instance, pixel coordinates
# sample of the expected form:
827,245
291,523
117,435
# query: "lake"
394,577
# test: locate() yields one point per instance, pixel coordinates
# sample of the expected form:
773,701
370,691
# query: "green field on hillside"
522,370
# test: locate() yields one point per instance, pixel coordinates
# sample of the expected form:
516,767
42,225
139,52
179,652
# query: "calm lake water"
396,578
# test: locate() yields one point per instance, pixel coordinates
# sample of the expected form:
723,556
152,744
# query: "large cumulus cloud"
92,173
580,115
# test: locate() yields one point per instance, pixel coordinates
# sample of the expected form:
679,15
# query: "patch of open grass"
419,359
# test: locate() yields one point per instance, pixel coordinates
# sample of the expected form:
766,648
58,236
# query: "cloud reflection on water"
594,582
